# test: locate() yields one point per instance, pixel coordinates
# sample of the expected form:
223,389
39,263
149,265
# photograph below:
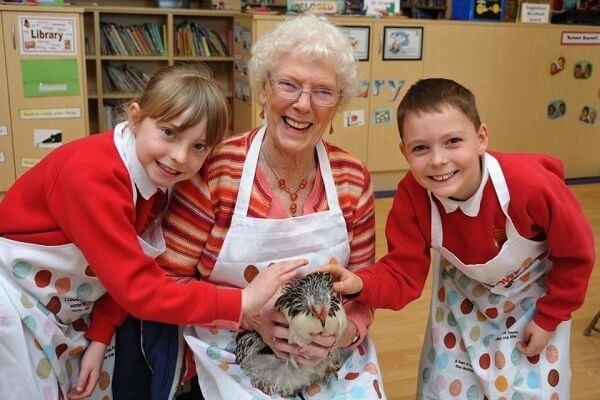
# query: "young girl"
82,223
512,255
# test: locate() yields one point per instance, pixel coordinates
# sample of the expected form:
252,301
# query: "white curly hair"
313,37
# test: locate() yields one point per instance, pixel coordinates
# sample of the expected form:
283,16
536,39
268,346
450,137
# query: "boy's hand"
89,374
346,283
534,340
266,283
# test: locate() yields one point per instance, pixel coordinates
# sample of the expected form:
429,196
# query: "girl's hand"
534,340
346,282
266,283
89,374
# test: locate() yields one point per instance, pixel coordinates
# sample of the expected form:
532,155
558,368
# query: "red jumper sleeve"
99,218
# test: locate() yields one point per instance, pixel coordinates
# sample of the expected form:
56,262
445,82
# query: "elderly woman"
279,192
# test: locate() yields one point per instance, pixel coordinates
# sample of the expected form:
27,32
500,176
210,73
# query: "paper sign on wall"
377,8
53,77
3,130
47,138
48,35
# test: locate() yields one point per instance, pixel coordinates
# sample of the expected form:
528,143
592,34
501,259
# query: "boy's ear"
402,149
482,137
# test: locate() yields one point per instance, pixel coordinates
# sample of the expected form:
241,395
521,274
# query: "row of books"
125,78
192,40
135,40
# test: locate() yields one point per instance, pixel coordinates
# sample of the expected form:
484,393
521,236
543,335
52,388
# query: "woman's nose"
303,100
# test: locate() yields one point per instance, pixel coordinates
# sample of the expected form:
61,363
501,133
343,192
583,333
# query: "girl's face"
443,151
167,154
295,126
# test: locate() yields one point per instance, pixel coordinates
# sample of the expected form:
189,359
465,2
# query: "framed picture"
360,39
402,43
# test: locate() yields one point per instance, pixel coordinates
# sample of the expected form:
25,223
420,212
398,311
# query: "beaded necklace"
293,193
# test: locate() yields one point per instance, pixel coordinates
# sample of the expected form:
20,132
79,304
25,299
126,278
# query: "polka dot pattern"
474,333
54,307
358,379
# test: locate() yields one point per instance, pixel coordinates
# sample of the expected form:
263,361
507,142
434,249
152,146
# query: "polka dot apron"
254,243
46,296
479,312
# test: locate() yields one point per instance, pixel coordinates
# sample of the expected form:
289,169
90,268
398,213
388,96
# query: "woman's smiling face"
297,125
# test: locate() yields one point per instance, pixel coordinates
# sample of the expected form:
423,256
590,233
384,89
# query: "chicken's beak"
322,317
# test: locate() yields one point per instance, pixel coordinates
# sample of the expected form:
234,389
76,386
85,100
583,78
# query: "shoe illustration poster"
47,138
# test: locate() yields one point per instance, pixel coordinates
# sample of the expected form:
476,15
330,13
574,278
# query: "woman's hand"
322,346
346,282
266,283
89,374
534,340
272,326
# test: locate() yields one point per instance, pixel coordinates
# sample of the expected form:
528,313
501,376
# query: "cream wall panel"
507,67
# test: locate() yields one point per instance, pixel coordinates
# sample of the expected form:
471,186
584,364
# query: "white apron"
479,312
255,243
46,296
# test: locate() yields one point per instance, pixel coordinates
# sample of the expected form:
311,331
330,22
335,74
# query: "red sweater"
541,207
81,193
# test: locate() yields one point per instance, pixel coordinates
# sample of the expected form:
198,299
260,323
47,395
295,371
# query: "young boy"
512,255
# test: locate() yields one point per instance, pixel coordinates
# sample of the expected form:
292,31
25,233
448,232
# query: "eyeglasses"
292,91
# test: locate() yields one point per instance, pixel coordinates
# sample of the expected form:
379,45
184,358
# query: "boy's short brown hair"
431,95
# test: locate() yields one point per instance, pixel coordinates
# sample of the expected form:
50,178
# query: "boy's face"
443,151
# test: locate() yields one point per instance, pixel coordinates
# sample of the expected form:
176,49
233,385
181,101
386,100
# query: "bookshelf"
125,45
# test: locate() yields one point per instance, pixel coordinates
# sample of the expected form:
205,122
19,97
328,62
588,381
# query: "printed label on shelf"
50,113
3,130
29,162
2,157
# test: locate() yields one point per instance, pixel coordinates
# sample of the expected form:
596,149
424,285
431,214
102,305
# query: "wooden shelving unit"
104,94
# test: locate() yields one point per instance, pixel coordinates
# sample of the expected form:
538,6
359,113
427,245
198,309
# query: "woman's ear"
133,112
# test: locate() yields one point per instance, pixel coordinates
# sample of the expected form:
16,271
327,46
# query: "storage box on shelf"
428,9
126,45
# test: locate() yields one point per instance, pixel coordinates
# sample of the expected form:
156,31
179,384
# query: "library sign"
48,35
586,38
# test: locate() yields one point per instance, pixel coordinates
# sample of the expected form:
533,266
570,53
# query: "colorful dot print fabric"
358,379
53,304
471,353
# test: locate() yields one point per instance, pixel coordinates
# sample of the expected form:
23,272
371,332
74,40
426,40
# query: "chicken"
310,307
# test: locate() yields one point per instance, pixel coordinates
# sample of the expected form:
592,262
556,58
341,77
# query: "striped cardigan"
201,209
